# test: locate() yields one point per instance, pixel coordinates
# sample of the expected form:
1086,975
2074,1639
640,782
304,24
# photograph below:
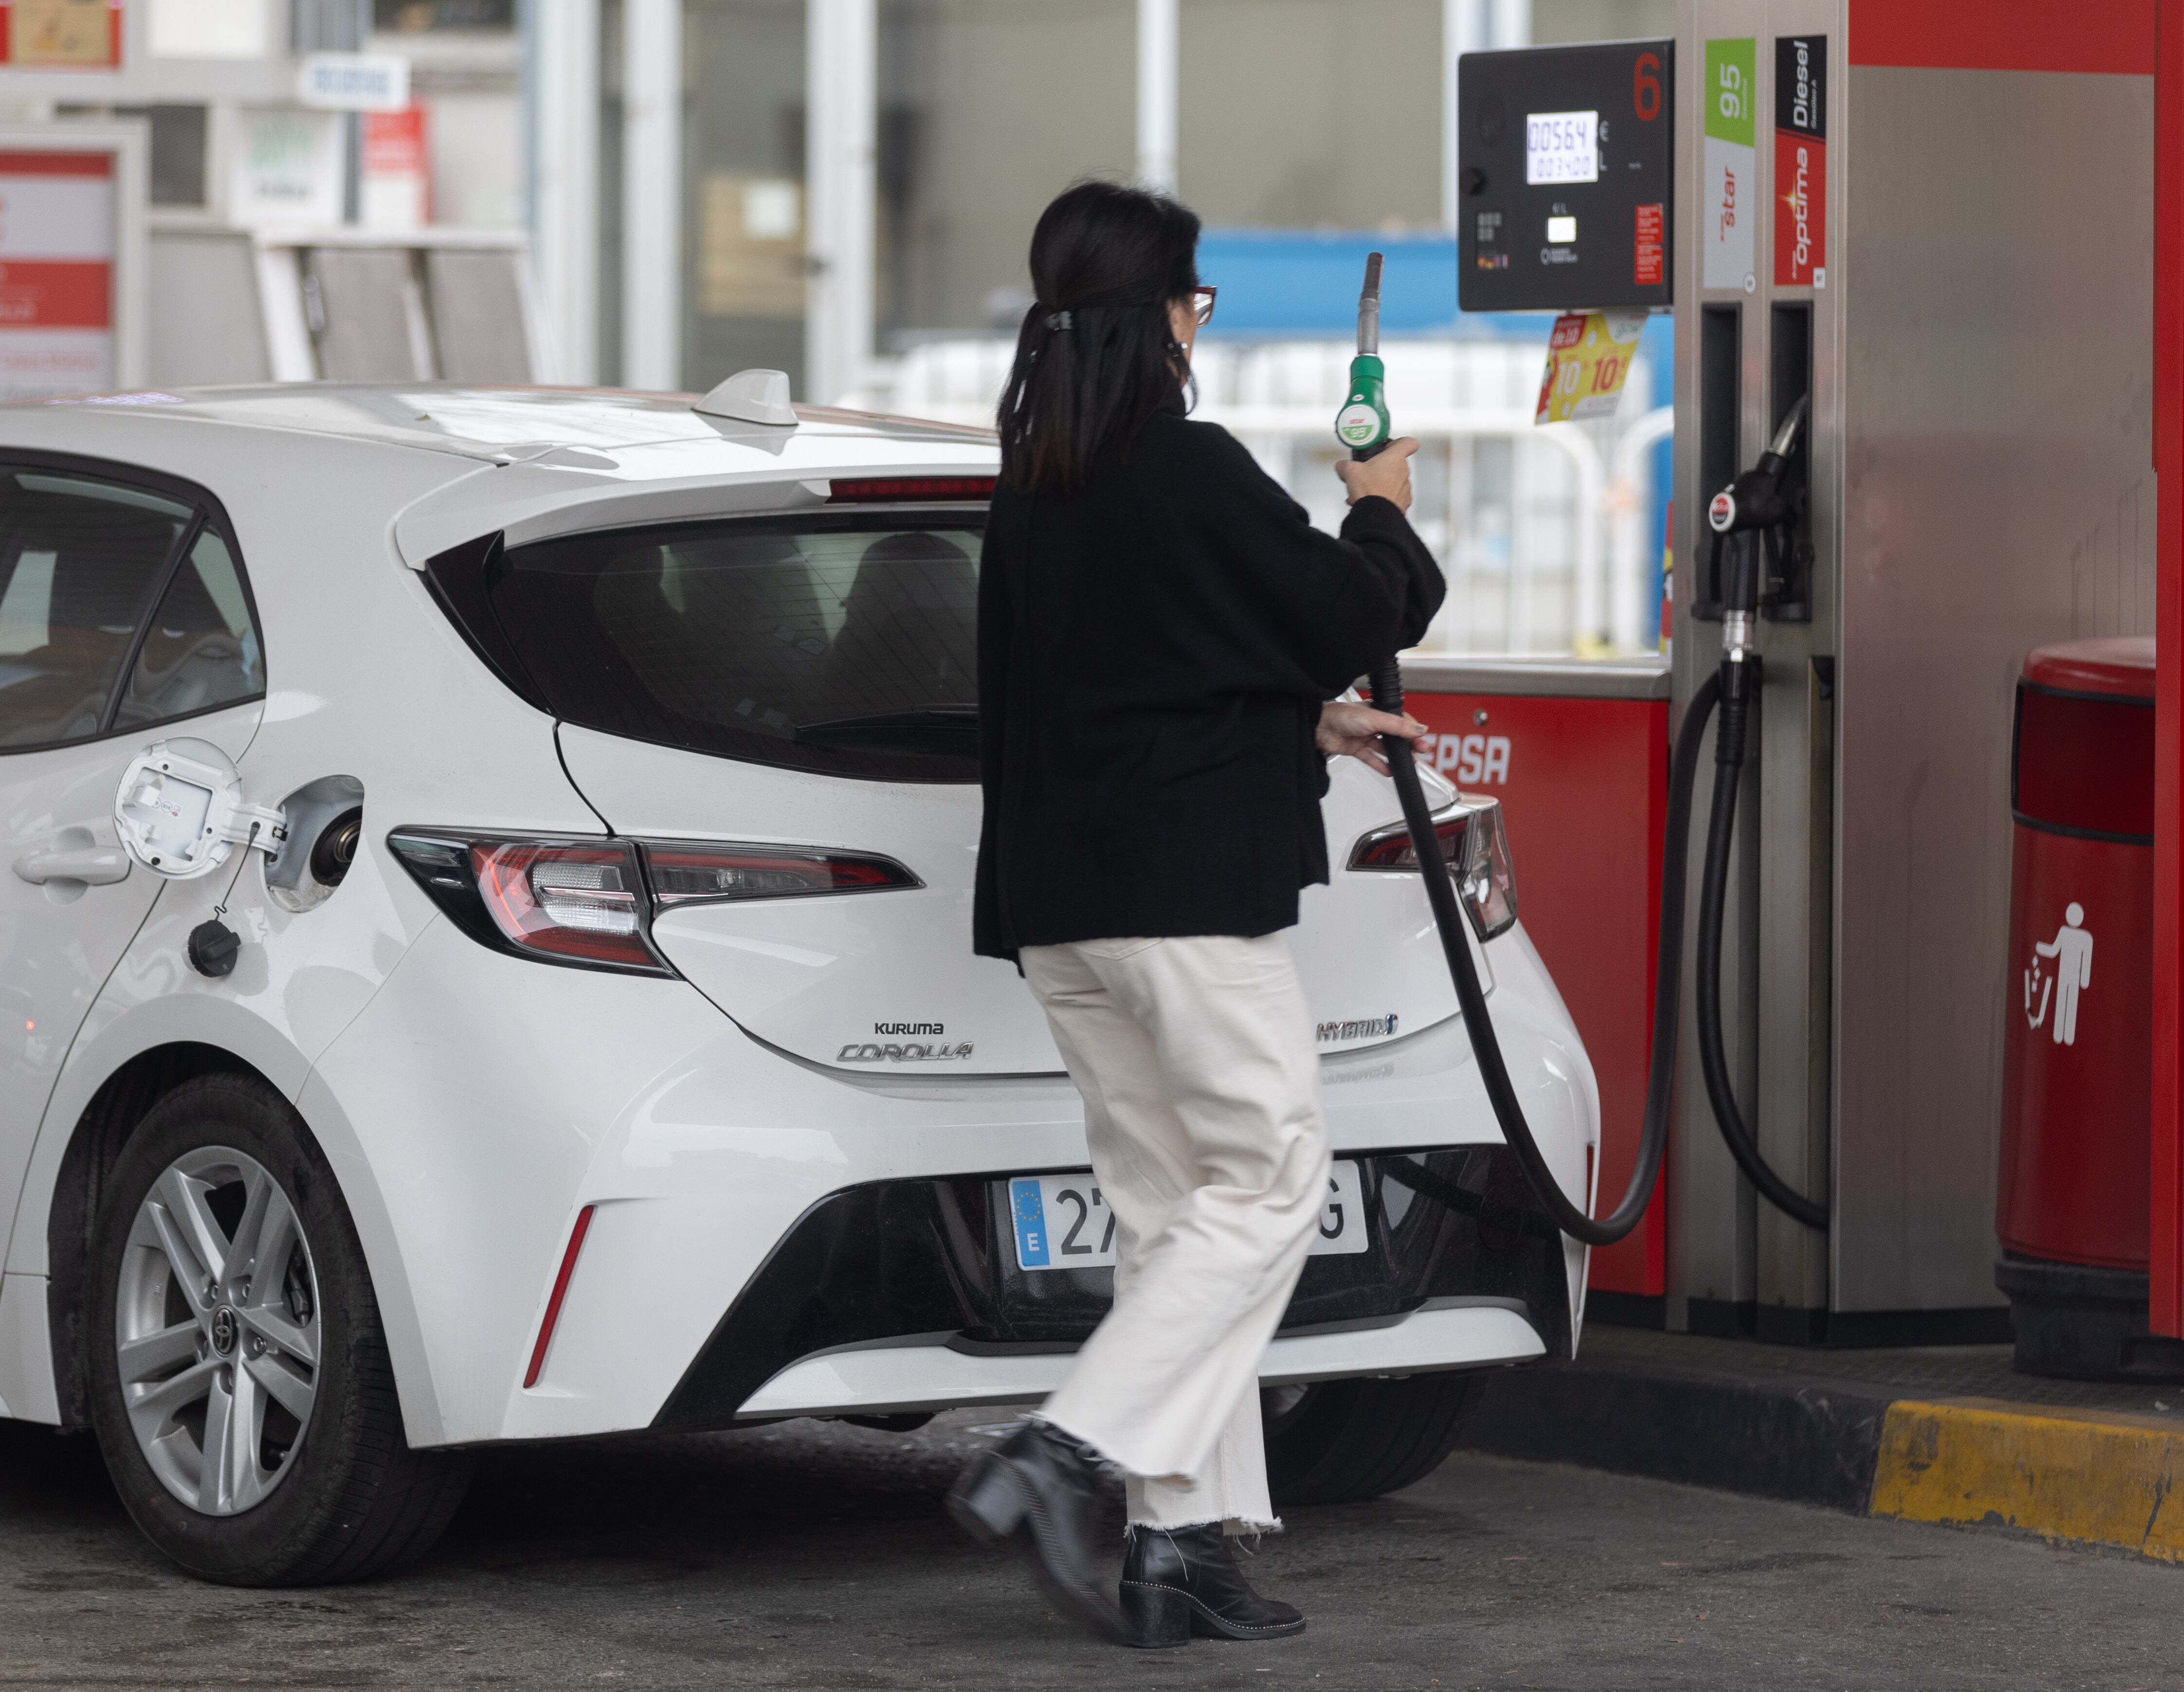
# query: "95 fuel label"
1589,356
1356,425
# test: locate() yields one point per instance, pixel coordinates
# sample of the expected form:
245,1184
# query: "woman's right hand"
1387,473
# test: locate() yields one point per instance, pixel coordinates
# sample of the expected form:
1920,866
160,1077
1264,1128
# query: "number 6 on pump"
1062,1221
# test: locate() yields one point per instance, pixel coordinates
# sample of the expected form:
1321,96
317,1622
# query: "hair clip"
1059,320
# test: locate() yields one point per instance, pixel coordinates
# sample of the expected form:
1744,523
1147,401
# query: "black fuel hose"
1486,1047
1714,896
1471,1000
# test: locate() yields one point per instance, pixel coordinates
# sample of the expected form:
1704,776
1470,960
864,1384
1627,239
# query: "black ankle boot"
1181,1581
1042,1485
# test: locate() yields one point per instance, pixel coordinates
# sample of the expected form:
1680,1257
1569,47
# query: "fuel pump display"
1566,160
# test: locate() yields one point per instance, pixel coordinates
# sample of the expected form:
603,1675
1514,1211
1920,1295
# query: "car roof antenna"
752,396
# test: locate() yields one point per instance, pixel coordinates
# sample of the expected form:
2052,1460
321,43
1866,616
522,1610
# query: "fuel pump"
1770,174
1749,514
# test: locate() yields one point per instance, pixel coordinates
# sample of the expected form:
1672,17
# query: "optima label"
1801,161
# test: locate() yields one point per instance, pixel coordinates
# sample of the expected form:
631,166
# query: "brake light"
573,902
591,903
707,874
1394,849
1473,844
869,490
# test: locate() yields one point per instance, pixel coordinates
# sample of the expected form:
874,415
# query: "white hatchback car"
485,954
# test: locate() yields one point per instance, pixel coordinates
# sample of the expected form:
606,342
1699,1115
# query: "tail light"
1475,845
707,874
591,903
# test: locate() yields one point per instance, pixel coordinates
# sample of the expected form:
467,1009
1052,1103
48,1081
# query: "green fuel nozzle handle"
1363,424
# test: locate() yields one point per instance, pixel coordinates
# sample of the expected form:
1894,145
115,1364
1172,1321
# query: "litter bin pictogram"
2072,1208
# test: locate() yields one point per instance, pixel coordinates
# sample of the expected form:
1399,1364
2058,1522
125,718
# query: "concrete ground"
816,1555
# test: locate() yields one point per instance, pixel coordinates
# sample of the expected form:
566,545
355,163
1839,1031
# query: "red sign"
1801,161
57,239
55,296
1646,264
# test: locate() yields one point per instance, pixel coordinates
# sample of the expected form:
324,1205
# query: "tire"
1344,1442
319,1484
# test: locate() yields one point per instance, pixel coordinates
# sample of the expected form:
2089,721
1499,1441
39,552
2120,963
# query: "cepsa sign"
1471,759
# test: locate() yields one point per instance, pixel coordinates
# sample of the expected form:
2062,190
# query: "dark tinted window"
201,651
847,644
79,561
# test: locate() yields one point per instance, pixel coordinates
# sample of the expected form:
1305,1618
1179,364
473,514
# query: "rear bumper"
934,1374
481,1103
906,1295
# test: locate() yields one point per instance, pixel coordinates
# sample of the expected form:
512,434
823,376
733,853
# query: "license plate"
1063,1222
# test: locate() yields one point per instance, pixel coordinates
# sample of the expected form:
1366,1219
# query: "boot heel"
1156,1616
987,1501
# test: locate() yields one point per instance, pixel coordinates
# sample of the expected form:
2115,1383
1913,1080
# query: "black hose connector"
1735,714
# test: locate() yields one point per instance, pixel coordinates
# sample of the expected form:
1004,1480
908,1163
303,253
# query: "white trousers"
1201,1081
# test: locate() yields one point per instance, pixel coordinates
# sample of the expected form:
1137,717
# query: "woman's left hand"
1356,730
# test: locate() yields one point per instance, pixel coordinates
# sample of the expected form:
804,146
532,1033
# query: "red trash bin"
2077,1101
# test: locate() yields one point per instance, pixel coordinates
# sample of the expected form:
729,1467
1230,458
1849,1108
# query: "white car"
485,954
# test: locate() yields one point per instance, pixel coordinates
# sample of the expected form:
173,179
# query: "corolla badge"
899,1051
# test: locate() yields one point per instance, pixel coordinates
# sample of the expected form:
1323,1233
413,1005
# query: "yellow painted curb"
2110,1478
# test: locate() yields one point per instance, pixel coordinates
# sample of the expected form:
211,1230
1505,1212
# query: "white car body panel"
666,482
471,1103
835,980
61,940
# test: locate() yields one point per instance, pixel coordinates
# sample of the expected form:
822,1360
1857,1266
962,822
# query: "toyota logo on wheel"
224,1329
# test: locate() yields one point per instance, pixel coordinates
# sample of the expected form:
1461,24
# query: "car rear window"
845,643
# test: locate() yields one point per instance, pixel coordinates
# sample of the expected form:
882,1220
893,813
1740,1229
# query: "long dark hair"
1095,357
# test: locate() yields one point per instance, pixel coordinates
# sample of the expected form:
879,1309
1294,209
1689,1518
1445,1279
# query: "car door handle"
100,866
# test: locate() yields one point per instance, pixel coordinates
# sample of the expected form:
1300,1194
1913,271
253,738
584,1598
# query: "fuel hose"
1471,999
1753,503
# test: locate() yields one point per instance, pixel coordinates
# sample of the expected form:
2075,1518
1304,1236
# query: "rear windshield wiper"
929,730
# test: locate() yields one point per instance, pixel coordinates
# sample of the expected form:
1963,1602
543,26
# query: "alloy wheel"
216,1331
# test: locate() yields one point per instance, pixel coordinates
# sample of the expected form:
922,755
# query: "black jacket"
1153,652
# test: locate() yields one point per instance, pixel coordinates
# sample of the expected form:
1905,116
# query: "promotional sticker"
1801,161
1588,360
1727,208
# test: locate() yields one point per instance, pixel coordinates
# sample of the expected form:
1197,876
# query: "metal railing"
1553,559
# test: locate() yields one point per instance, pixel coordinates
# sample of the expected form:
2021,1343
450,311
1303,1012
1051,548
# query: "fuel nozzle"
1754,500
1362,424
1753,505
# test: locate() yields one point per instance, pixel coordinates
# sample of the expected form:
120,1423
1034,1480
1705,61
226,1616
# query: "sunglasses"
1202,304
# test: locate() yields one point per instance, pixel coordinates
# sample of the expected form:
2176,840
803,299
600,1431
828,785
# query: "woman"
1160,633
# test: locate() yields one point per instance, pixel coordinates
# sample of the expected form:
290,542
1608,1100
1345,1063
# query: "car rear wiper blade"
927,730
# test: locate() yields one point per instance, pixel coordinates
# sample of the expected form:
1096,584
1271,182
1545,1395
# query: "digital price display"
1562,146
1566,173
